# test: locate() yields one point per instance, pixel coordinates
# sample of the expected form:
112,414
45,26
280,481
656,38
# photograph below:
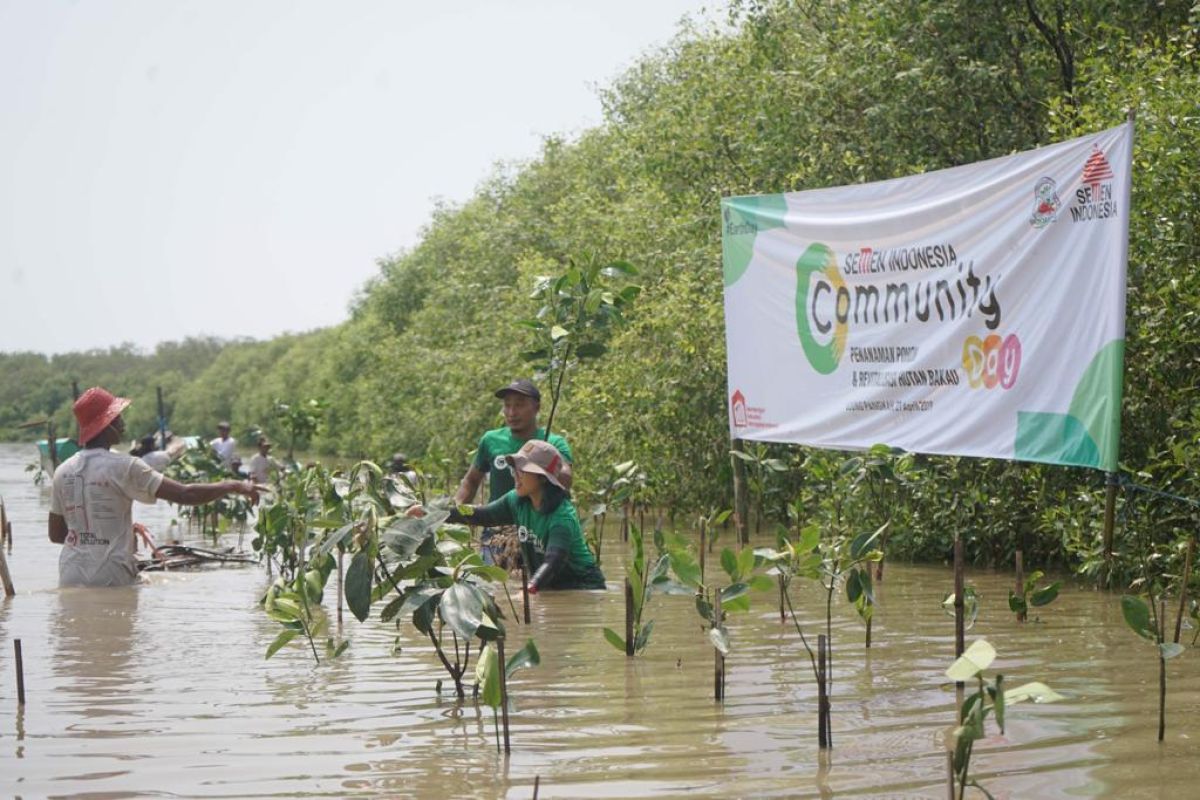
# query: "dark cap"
521,386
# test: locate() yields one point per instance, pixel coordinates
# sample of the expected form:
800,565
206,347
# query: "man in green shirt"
522,401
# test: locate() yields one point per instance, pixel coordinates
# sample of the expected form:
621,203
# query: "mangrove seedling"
577,310
1030,596
1148,621
623,481
970,606
989,699
492,690
641,583
300,421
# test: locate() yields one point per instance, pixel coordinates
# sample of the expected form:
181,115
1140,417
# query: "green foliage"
769,96
1032,597
990,698
642,581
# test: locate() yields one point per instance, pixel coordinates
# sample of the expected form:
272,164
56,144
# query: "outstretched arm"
197,494
469,485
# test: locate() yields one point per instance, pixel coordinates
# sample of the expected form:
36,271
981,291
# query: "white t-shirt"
157,460
225,449
94,491
260,468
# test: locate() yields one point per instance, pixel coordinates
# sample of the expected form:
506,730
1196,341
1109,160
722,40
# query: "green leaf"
745,563
853,588
810,537
409,537
615,639
391,609
590,350
1036,691
558,332
283,638
489,572
527,656
1137,616
733,592
738,605
719,639
1045,595
978,657
340,536
762,583
643,637
998,701
487,675
685,568
1170,649
1016,604
358,586
703,608
461,608
729,563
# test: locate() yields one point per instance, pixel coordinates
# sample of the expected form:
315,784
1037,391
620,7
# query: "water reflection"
93,643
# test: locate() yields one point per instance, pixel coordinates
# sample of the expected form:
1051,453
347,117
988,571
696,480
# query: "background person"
224,446
93,492
261,466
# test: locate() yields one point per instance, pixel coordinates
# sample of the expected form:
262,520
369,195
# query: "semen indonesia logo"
1094,199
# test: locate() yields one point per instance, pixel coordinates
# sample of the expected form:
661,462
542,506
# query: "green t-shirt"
559,528
495,444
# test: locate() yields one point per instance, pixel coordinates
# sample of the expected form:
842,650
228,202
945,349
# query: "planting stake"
703,547
503,691
1187,573
5,578
1162,670
5,526
950,774
959,628
1110,504
1020,581
524,588
339,591
822,737
537,781
783,598
628,618
718,659
20,673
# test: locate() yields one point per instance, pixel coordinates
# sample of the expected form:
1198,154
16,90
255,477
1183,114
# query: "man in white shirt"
225,446
261,466
93,492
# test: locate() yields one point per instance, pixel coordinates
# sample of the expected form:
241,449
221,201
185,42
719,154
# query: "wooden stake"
537,781
783,599
741,501
339,591
822,738
959,615
1187,574
5,527
5,577
628,618
524,588
1110,504
718,658
703,547
1162,671
20,673
950,774
1020,581
503,692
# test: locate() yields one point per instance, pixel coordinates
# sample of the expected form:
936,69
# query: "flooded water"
162,690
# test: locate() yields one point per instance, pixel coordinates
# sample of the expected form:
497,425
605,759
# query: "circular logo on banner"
822,308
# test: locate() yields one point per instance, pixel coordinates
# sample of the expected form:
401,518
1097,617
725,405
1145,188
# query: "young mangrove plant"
200,465
990,698
300,421
1148,620
639,584
493,684
623,481
577,311
714,602
1032,597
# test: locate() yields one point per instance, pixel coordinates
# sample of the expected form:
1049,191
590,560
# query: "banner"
976,311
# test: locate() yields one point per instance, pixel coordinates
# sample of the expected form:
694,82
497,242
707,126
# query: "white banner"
976,311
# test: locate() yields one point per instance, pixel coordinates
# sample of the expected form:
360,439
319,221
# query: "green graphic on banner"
742,219
1088,435
819,260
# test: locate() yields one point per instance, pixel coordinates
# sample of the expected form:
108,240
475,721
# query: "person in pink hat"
91,501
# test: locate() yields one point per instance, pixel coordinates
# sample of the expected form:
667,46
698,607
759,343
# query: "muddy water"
162,690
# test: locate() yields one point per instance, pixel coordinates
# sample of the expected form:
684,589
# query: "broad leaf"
615,639
461,608
487,675
1045,595
1170,649
358,586
527,656
719,639
810,537
1036,691
685,568
729,563
1016,604
978,657
745,563
643,637
340,536
762,583
733,592
1137,616
853,587
283,638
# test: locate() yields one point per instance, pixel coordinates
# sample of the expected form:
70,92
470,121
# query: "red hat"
95,410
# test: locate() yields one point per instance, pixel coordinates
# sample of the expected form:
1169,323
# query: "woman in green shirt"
548,526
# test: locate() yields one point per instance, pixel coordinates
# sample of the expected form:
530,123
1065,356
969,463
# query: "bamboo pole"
718,658
503,692
20,673
524,587
822,731
703,547
5,577
1162,671
1110,505
959,614
1020,581
628,618
741,502
339,591
1183,587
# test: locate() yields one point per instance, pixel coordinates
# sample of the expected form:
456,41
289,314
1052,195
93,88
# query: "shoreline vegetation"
771,97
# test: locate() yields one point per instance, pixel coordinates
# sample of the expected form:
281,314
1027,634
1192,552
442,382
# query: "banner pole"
741,503
1110,504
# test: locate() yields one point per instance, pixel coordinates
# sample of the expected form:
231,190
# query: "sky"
237,168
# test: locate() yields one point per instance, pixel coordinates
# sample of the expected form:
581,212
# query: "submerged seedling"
1031,597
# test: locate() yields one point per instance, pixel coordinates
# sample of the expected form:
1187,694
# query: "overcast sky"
175,168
